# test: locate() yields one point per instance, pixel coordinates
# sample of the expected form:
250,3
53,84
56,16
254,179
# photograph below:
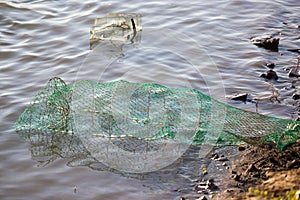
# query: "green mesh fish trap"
148,114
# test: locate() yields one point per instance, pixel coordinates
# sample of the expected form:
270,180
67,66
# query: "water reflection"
48,147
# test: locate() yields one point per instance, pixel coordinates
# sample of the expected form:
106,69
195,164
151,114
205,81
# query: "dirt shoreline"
249,172
264,172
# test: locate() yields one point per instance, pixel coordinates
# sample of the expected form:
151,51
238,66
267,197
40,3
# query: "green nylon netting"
150,113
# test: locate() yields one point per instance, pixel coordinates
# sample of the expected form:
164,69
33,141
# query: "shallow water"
182,45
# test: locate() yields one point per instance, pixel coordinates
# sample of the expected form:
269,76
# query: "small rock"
293,83
202,198
270,75
222,159
211,185
271,65
293,73
224,164
241,148
205,186
215,156
294,50
266,42
240,97
296,96
236,177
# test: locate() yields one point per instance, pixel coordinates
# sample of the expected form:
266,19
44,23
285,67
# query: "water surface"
43,39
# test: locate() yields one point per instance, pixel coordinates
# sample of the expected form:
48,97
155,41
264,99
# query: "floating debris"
122,27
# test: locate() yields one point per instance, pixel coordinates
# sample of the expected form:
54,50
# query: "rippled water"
43,39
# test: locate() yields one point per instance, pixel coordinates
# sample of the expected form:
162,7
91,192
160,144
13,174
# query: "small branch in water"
133,25
134,29
297,68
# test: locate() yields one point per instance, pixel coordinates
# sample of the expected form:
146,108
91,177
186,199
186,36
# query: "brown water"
43,39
